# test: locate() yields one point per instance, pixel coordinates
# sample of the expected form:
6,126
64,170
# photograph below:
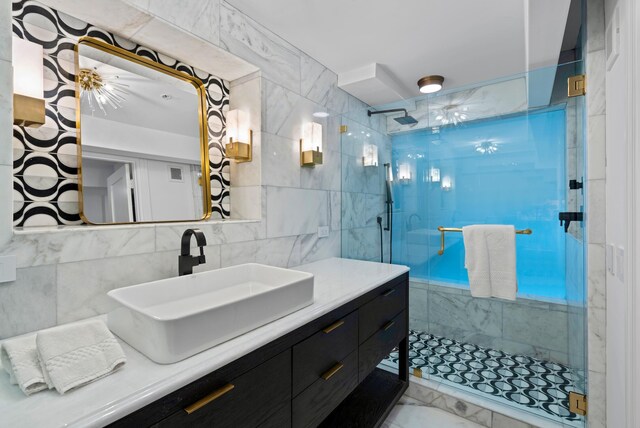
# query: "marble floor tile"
414,415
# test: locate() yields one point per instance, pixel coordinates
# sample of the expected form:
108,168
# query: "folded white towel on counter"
490,259
74,355
20,360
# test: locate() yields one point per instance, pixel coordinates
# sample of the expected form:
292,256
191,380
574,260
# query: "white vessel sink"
172,319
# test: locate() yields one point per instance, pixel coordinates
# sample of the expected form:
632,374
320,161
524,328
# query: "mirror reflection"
143,153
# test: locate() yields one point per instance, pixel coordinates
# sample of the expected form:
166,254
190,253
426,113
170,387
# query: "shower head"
402,120
405,120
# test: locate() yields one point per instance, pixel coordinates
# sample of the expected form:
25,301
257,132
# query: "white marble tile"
278,104
461,408
595,215
280,161
196,16
325,176
597,417
596,276
6,206
168,236
246,202
28,303
595,26
536,327
596,148
597,339
335,210
596,101
420,416
362,243
353,210
296,211
502,421
277,59
82,286
6,109
5,37
320,85
179,44
238,253
313,248
281,252
310,71
118,17
50,246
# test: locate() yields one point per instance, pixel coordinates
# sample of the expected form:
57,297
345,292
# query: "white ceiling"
467,41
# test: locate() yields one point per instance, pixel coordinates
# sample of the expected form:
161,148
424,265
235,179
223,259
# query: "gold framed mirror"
142,139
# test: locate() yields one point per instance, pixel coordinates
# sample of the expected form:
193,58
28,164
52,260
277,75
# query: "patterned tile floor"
541,386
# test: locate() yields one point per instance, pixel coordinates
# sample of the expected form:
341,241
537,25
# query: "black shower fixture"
402,120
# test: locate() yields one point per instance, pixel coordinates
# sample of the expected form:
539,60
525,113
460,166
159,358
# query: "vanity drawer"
250,400
312,356
382,309
378,346
317,401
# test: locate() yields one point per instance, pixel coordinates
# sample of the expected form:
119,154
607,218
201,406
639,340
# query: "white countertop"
141,381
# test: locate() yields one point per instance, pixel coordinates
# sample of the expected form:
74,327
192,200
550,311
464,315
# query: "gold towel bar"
442,231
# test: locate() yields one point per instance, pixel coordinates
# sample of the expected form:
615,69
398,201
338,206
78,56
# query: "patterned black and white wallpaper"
45,170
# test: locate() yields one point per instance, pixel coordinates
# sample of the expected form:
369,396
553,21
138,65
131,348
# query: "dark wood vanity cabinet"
321,374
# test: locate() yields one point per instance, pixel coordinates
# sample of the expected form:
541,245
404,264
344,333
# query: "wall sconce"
28,83
370,155
240,145
311,145
447,183
434,175
404,173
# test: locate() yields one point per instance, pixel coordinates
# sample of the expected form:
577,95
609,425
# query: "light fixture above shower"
451,114
430,84
486,147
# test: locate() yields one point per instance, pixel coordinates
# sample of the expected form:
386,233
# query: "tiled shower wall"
522,327
64,273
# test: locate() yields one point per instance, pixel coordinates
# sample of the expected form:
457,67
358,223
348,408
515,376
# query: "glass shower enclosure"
500,152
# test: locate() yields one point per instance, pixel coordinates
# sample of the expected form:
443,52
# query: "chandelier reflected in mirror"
101,91
486,147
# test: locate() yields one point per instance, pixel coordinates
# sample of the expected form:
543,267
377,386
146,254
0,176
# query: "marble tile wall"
64,273
6,124
595,212
529,327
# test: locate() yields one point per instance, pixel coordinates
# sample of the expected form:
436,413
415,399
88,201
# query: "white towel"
490,259
20,360
74,355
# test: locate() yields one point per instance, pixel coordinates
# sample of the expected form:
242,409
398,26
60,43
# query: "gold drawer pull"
208,399
388,292
388,325
333,370
333,326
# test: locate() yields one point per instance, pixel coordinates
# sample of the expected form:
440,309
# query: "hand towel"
20,360
77,354
490,259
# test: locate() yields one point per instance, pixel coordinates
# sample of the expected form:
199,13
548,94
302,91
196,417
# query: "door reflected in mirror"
142,139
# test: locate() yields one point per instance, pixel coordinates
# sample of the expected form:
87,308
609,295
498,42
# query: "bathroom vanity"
314,367
322,373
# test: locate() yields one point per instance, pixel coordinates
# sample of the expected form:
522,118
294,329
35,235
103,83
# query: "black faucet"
186,261
568,217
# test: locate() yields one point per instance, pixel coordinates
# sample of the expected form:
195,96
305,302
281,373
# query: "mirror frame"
202,120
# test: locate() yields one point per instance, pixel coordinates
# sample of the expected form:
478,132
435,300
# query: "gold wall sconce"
311,145
28,83
240,145
404,173
370,155
447,183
